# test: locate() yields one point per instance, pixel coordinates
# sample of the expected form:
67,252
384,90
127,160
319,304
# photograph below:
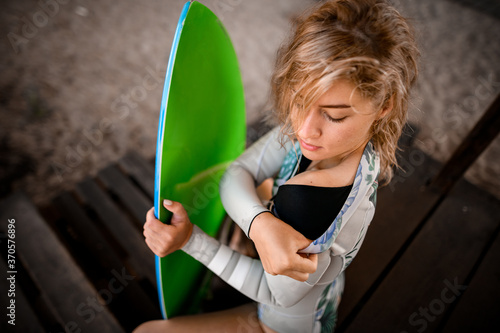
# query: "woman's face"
337,125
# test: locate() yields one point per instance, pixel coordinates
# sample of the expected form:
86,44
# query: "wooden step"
132,198
61,282
419,292
100,224
100,247
119,224
478,309
22,317
401,207
139,171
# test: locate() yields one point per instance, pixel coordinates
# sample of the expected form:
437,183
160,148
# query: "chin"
313,156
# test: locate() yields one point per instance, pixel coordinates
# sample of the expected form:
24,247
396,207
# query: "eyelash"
333,120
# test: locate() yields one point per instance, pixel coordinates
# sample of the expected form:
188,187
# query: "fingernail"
167,202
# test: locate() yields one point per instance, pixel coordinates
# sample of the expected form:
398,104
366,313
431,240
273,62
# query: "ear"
388,106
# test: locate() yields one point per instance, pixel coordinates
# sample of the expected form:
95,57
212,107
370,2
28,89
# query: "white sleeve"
247,275
238,185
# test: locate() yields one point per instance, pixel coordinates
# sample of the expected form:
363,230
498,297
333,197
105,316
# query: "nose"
311,127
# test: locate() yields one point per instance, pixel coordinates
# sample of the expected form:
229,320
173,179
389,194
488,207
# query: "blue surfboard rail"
166,88
159,144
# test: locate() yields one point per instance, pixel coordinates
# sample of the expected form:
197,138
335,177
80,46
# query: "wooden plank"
25,319
96,244
131,197
478,309
62,283
478,139
427,278
401,206
122,290
125,232
140,170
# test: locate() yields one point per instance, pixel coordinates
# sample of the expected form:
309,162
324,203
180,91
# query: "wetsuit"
285,304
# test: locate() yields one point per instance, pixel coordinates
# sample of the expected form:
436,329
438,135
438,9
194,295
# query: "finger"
154,248
314,259
150,215
299,276
159,243
311,256
149,233
303,242
177,209
151,243
307,263
155,225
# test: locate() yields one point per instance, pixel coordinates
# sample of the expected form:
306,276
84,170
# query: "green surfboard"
201,131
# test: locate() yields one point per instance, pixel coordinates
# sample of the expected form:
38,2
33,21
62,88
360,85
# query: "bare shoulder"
324,174
333,177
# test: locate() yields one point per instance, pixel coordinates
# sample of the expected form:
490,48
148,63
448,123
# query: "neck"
334,162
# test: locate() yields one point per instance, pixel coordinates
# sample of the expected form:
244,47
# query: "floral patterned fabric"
326,309
364,187
366,178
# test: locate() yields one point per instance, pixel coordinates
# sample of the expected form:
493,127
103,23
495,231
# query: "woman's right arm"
247,274
243,273
238,186
276,242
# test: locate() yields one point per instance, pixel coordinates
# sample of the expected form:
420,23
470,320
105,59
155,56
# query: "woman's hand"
278,245
163,238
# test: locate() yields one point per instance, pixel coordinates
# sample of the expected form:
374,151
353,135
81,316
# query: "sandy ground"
460,77
81,81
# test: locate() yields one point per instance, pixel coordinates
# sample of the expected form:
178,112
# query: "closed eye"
333,120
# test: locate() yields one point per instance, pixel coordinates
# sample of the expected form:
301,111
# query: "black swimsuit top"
309,209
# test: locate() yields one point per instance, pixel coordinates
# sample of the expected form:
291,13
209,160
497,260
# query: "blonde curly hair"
366,42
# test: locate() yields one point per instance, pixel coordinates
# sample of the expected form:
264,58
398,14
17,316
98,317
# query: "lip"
308,146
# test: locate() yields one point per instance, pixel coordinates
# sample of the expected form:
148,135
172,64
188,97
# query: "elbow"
288,303
235,180
285,299
234,172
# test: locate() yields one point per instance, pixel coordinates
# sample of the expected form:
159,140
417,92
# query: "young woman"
340,89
